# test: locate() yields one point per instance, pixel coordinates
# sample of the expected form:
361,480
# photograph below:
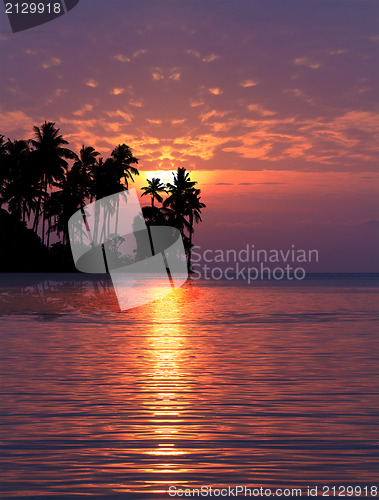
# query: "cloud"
10,122
122,58
136,103
154,122
117,91
126,116
260,110
53,61
205,116
304,61
92,83
83,110
175,76
249,83
126,59
31,52
337,52
210,58
54,96
351,137
194,53
139,52
301,94
215,91
157,76
194,103
202,146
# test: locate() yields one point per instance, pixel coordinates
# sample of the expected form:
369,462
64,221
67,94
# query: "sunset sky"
273,106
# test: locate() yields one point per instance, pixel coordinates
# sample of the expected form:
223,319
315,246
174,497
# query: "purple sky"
273,105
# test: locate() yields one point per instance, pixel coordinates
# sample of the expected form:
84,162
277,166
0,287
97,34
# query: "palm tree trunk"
117,210
43,229
190,240
44,217
36,215
48,231
96,224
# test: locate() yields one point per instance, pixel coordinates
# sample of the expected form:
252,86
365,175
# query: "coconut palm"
82,170
4,171
123,159
193,210
19,187
106,181
63,203
154,187
176,200
49,160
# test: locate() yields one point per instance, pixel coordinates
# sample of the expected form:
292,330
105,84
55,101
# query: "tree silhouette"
19,190
154,187
178,191
4,171
123,160
38,180
193,209
49,160
82,172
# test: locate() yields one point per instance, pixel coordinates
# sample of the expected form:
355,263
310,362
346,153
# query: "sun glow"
200,176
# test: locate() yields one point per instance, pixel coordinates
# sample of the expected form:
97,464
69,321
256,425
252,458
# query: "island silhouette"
43,183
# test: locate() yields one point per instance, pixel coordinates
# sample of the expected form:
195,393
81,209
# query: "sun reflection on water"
166,379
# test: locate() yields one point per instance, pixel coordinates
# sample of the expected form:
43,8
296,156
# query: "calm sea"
219,384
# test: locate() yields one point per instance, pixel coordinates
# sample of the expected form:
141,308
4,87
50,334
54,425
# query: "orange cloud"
157,76
205,116
193,52
175,77
122,58
154,122
248,83
215,91
194,103
83,110
117,91
210,58
92,83
136,103
261,110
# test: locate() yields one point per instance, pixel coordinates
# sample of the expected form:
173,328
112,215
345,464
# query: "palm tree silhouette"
82,170
4,171
19,189
193,209
178,190
154,187
49,159
123,160
35,177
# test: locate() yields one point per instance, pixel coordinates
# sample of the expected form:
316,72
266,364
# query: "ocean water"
272,384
